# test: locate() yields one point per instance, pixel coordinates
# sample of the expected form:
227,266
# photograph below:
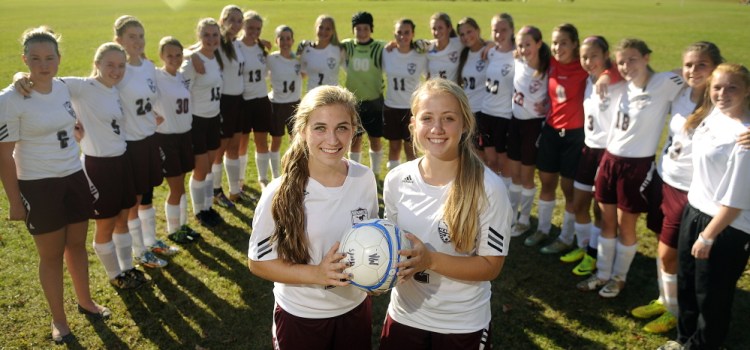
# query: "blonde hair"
203,23
102,50
226,44
42,34
122,23
707,106
466,197
287,206
324,18
251,15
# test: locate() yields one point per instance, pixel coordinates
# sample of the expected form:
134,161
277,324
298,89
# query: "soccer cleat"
148,259
190,232
519,229
671,345
586,266
125,281
204,218
652,309
162,248
221,200
612,288
555,247
214,217
181,236
573,255
665,323
591,283
137,275
535,238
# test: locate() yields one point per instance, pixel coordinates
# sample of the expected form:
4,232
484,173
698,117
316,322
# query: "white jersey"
474,74
322,65
444,63
286,80
676,161
330,213
173,103
640,116
720,169
233,73
403,73
99,111
205,89
528,91
255,72
137,95
499,84
600,113
42,128
430,301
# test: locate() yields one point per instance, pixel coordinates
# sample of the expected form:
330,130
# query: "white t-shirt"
720,169
676,161
474,74
321,65
499,85
286,80
42,128
233,73
173,103
528,91
640,116
444,63
255,72
205,89
600,113
138,93
330,213
100,113
430,301
403,73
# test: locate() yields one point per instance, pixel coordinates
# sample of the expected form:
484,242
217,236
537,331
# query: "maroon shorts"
146,163
523,140
624,181
177,153
396,123
205,134
352,330
112,185
493,131
282,117
672,205
55,202
396,336
231,115
258,113
588,165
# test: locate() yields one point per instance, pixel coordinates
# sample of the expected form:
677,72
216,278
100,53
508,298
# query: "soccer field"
206,298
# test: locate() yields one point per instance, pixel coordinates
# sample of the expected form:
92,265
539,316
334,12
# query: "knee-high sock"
134,227
660,280
623,258
567,229
243,168
605,257
275,158
232,167
669,282
507,181
544,209
376,160
583,234
183,210
392,164
172,212
197,195
208,192
514,195
108,257
261,164
527,199
124,247
148,225
216,171
355,156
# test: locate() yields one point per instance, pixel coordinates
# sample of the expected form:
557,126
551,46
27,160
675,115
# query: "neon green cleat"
586,266
573,255
663,324
654,308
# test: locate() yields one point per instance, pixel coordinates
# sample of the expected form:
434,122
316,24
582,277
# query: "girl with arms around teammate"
459,218
445,49
321,59
472,67
299,220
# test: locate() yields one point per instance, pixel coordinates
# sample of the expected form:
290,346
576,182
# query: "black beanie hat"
362,18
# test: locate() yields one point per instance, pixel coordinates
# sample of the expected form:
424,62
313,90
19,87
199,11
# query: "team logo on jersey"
640,102
296,68
411,68
331,62
408,180
151,85
535,85
604,104
453,56
506,69
359,215
480,65
443,232
262,58
69,107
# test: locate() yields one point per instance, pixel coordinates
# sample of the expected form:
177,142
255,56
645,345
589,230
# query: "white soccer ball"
371,249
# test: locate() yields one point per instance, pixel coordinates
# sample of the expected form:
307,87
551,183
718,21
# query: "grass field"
206,298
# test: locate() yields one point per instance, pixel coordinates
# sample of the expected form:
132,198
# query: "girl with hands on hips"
299,220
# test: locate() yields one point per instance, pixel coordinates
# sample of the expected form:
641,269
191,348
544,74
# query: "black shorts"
111,185
231,115
560,150
257,115
396,123
588,166
397,336
177,153
493,131
55,202
371,115
282,117
523,138
146,162
205,134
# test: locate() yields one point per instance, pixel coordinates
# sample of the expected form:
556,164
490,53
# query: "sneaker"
586,266
137,275
162,248
555,247
125,281
535,238
221,200
205,220
214,217
591,283
665,323
573,255
181,236
612,288
653,309
671,345
148,259
519,229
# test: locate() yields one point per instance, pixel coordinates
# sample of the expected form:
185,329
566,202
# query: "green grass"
206,298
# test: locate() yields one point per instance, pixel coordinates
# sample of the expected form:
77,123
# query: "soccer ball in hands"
371,249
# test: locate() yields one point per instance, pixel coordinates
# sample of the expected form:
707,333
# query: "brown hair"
442,16
545,55
705,108
465,51
41,34
226,44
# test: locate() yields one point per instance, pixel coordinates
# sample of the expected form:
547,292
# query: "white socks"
623,258
124,248
208,194
660,280
183,210
197,195
392,164
669,282
376,160
583,233
567,229
527,199
355,156
594,239
134,227
173,217
605,258
216,172
261,163
232,167
544,209
148,225
108,257
243,168
514,195
506,180
275,164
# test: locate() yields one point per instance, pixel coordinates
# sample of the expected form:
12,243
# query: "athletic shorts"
397,336
231,115
560,150
371,115
282,118
146,163
672,206
257,115
523,140
177,153
352,330
588,166
111,185
52,203
493,131
205,134
396,123
623,181
653,193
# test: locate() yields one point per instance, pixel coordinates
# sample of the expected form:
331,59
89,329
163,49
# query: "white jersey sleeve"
137,95
173,103
255,72
205,89
600,113
233,72
676,161
403,74
444,63
474,74
499,84
529,90
322,66
286,78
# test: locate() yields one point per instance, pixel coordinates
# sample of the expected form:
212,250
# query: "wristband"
705,241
